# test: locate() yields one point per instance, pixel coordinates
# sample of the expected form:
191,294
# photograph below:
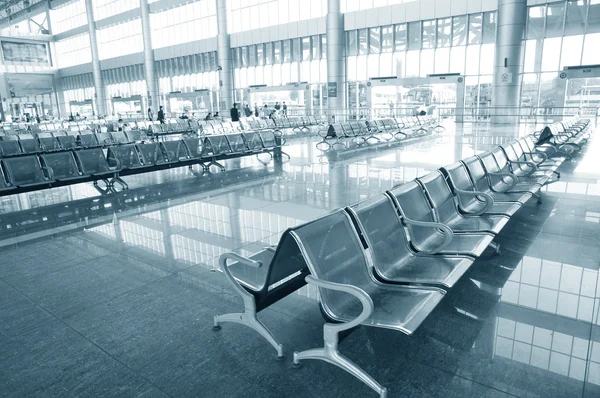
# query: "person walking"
277,106
284,108
150,114
161,115
235,114
255,109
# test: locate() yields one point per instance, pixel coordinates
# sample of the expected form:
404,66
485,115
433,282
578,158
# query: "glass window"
373,66
385,65
472,63
296,50
67,17
551,54
575,19
428,35
400,37
122,39
414,36
530,54
457,60
235,57
399,65
412,63
554,19
591,55
323,47
444,32
593,22
315,47
442,60
244,56
351,42
306,49
529,90
427,62
571,51
475,22
374,40
535,22
352,68
362,41
361,67
459,31
489,27
387,39
287,54
268,53
260,55
487,59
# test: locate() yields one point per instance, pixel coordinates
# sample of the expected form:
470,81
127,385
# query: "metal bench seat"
339,268
124,157
539,157
48,142
67,141
88,140
194,147
174,151
120,137
62,164
540,163
521,167
427,235
92,162
237,143
481,183
390,255
29,144
446,211
216,145
9,148
4,185
253,141
26,171
471,201
502,179
151,153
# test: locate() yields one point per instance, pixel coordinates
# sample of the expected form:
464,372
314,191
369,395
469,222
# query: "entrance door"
297,100
583,92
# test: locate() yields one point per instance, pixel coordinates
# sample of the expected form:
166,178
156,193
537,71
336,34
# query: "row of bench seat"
50,169
398,253
566,137
58,141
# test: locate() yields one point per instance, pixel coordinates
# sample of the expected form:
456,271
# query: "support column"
512,15
97,72
224,59
149,63
336,61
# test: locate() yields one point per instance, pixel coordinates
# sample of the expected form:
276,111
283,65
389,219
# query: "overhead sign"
28,84
332,90
30,53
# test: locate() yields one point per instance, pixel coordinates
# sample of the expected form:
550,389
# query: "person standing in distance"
161,115
235,114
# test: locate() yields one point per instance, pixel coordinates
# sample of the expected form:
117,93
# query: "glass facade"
184,24
122,39
68,16
107,8
73,51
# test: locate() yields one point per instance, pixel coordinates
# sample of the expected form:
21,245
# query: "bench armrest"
331,330
532,165
514,179
543,155
249,302
489,201
446,231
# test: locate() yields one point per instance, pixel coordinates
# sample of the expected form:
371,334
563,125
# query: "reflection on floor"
113,295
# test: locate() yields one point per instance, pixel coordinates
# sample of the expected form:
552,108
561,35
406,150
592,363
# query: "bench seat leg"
248,318
330,354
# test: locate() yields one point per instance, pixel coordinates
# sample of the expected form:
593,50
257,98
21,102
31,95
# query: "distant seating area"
388,261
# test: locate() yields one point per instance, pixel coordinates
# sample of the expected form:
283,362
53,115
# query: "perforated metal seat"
253,141
194,147
429,236
446,211
503,180
62,164
339,268
124,157
29,145
9,148
119,137
92,162
88,140
4,185
268,139
527,174
48,142
216,145
481,183
26,171
469,200
174,151
151,153
105,138
391,256
237,143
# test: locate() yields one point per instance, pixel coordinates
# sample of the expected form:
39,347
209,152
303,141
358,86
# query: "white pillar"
149,63
96,71
224,59
336,60
512,15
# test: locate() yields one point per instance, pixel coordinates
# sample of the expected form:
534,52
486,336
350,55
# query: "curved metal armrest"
552,150
530,164
118,165
543,155
331,330
514,179
447,232
248,298
489,201
49,171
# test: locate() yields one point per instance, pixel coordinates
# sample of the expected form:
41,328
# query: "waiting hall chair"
389,253
26,171
62,164
338,267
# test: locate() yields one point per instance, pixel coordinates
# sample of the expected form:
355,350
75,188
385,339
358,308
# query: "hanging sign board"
332,89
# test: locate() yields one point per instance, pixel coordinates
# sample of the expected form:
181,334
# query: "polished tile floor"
113,295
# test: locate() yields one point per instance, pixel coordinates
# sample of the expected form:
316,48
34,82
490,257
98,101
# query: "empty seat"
339,268
124,157
481,183
392,258
194,147
119,137
253,141
87,140
4,185
429,236
8,148
151,153
104,138
268,139
48,142
28,143
62,164
446,211
470,201
237,143
503,180
67,141
216,145
174,151
25,171
92,162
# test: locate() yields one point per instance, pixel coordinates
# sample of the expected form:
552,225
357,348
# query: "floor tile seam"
589,350
97,346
